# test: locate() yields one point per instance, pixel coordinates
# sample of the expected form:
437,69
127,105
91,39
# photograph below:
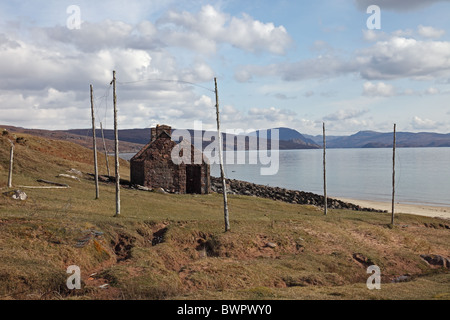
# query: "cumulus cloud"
209,27
430,32
404,58
50,67
37,79
393,58
378,89
373,35
427,32
423,124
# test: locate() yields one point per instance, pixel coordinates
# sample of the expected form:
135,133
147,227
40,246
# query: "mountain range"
289,139
372,139
292,139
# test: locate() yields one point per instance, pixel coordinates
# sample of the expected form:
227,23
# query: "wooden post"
222,173
94,144
11,163
393,174
325,171
106,151
116,139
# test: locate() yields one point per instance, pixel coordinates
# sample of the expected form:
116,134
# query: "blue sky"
278,63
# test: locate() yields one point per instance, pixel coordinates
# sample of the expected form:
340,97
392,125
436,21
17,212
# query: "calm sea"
422,174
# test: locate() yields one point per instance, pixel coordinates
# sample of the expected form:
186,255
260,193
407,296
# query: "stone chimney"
155,132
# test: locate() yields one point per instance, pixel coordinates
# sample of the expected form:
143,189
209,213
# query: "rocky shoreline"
244,188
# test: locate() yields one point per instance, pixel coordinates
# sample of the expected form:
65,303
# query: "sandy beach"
422,210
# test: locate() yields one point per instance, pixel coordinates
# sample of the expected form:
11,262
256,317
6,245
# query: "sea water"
422,174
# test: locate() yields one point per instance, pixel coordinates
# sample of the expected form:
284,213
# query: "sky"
278,63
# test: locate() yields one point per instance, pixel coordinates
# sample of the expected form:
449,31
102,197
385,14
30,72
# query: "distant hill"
132,140
289,139
319,139
81,137
372,139
139,136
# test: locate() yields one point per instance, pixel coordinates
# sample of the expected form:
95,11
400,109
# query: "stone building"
153,167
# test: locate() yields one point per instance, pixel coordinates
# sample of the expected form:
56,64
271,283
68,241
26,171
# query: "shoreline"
294,196
415,209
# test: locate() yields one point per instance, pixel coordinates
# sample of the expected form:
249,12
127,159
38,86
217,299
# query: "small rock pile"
244,188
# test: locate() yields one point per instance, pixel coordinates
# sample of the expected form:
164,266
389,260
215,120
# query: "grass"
174,246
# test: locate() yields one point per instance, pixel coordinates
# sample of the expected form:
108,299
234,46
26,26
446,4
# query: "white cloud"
393,58
432,91
430,32
423,124
346,114
41,85
209,27
320,67
272,114
373,35
378,89
404,58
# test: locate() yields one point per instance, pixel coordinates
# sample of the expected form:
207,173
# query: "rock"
271,245
143,188
62,175
75,172
281,194
16,195
160,190
436,260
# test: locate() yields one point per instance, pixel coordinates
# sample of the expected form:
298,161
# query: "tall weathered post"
116,152
222,173
325,171
393,174
11,164
94,143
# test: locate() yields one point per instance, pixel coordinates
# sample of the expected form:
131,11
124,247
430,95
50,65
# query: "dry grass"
174,247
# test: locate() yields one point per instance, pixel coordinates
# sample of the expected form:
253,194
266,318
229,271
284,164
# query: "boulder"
16,195
142,188
436,260
63,175
160,190
271,245
75,172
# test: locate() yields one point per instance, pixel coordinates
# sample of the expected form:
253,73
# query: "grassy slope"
193,257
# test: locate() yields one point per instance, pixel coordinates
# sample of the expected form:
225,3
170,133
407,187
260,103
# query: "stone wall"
153,167
291,196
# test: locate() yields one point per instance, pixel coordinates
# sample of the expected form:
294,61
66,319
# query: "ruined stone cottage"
153,166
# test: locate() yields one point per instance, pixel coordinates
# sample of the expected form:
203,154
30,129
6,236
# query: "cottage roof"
148,145
168,135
